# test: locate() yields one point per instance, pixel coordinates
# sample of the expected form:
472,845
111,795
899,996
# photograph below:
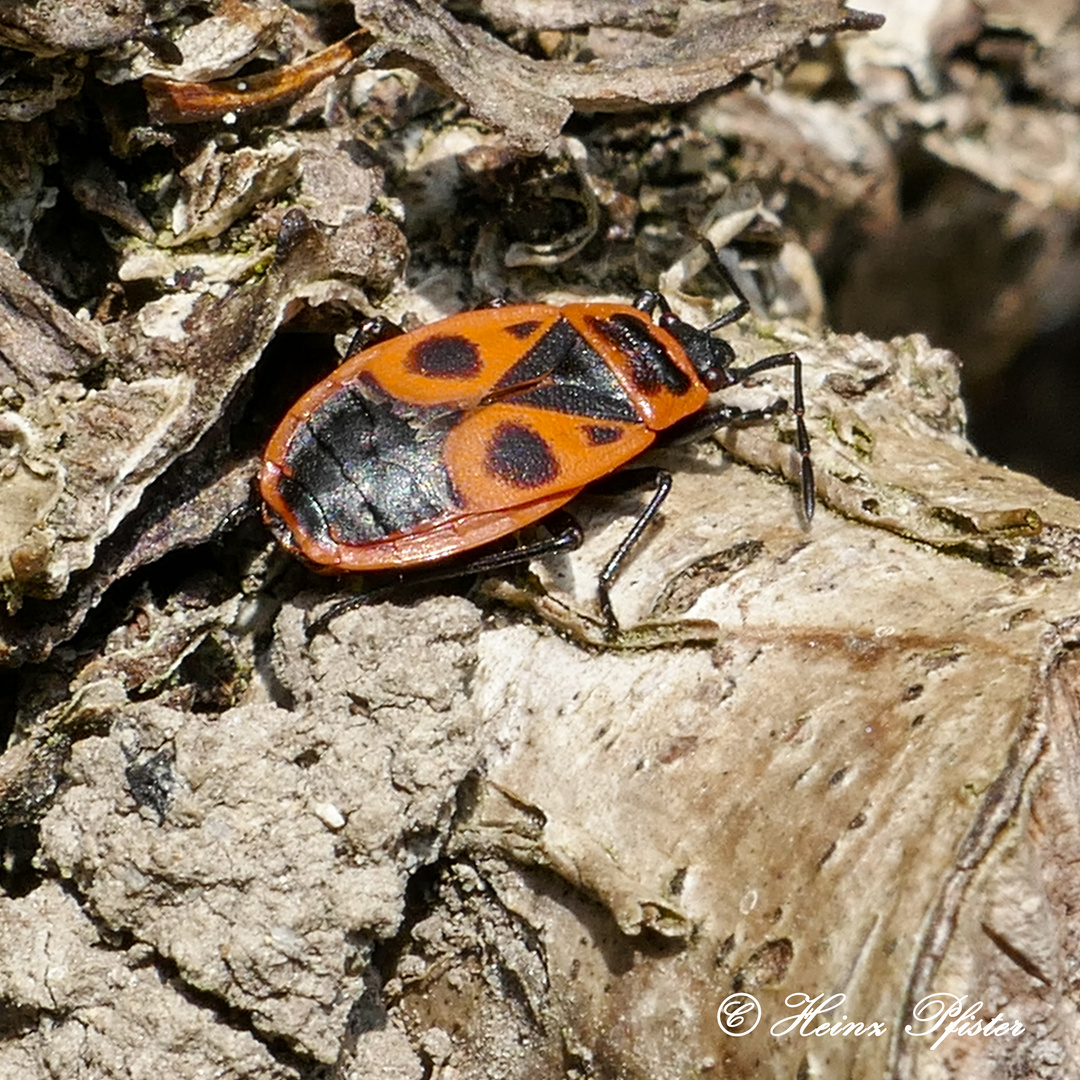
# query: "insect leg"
373,331
567,539
802,439
662,481
649,300
712,417
742,306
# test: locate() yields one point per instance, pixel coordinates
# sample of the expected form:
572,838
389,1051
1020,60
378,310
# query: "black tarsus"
802,439
661,479
742,306
374,330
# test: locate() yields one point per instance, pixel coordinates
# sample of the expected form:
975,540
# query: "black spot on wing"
524,330
651,368
521,456
563,373
601,434
445,356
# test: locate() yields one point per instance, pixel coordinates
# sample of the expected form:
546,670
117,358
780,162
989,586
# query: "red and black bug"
434,443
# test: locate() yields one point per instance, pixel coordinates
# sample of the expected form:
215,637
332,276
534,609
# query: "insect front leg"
713,417
802,439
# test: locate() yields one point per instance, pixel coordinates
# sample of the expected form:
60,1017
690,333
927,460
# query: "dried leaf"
530,100
171,101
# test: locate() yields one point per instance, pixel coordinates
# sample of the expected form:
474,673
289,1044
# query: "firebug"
431,444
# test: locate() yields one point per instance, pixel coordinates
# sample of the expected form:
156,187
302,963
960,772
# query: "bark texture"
813,813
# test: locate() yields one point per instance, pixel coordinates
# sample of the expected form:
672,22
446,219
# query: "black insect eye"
711,356
713,376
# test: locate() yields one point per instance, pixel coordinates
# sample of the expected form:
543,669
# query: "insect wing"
456,361
651,366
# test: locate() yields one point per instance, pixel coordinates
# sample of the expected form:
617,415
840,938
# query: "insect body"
434,443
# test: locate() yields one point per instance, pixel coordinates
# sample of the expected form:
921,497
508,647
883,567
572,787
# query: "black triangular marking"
564,373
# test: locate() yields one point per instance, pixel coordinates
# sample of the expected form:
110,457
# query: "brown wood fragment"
171,102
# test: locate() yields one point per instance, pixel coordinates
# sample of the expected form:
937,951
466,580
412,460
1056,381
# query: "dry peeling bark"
116,440
464,835
706,46
985,257
82,459
477,844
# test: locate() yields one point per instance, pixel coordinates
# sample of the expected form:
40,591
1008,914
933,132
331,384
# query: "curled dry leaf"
218,189
215,47
530,100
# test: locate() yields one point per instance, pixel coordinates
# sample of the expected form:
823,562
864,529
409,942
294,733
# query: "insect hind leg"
568,538
661,479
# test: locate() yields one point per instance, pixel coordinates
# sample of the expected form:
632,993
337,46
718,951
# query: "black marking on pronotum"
445,356
524,330
650,365
521,456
